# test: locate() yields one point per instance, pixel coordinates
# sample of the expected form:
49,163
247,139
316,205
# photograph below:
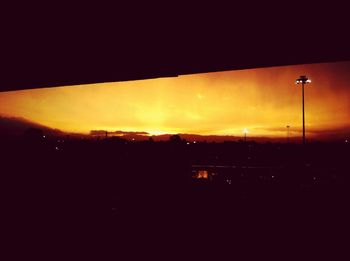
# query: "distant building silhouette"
175,139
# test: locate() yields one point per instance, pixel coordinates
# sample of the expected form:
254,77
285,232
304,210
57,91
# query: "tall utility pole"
303,80
245,131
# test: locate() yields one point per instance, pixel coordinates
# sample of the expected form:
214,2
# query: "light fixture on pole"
288,134
245,131
303,80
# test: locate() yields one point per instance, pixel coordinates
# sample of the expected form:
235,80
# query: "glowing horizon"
263,101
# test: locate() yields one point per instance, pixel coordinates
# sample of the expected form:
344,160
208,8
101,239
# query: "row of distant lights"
56,147
245,130
188,143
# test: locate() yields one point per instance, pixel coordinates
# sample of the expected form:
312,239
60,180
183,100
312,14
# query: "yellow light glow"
221,103
157,132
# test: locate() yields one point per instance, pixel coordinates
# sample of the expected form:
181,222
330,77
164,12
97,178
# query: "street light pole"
303,80
302,88
245,131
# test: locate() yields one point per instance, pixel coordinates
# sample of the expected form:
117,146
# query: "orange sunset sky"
222,103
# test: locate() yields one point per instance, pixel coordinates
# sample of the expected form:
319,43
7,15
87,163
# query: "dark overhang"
49,47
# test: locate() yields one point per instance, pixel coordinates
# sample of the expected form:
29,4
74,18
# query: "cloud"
118,132
18,125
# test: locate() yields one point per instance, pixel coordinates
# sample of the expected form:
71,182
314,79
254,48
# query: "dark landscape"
175,185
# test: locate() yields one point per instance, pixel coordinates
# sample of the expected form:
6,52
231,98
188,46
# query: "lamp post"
245,131
303,80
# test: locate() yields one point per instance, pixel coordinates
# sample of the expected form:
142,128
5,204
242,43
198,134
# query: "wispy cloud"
118,132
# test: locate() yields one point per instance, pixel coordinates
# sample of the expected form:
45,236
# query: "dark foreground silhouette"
196,194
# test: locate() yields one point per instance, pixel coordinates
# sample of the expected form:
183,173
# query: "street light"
245,131
288,134
303,80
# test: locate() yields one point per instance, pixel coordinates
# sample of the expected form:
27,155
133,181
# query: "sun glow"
157,132
262,101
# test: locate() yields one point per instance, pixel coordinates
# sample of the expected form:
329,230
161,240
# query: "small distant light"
229,181
202,174
133,139
314,178
188,143
56,148
272,176
346,141
309,81
194,142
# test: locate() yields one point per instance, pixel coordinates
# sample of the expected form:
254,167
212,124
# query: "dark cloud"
118,132
17,126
